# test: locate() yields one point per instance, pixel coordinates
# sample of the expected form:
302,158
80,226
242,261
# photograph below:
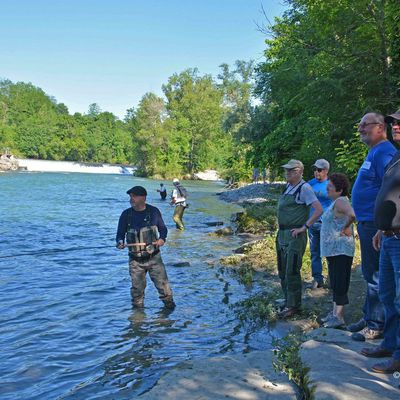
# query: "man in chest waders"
144,230
294,219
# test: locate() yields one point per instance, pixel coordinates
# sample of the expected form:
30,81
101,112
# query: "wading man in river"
178,199
294,219
142,229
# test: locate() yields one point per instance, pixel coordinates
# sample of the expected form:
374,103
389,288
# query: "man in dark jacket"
142,229
387,240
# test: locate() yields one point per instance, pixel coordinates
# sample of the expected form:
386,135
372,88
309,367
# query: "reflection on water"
67,327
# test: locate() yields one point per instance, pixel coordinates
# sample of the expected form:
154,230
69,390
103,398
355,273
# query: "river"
67,327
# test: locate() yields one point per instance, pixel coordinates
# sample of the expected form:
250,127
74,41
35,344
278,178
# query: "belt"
287,227
144,258
391,232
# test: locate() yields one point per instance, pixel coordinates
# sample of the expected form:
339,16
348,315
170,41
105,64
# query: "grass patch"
258,309
288,360
258,218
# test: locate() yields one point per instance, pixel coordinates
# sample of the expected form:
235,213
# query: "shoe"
314,285
335,323
357,326
288,312
388,367
366,334
327,317
376,352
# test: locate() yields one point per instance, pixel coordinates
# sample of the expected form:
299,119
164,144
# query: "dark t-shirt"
139,220
387,205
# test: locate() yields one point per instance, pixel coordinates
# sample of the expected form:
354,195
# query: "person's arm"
162,229
382,159
121,230
343,207
376,240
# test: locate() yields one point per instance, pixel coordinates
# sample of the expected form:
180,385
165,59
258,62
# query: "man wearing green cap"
142,229
294,219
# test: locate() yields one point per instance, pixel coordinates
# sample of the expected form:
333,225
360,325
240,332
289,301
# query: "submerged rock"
181,264
214,223
227,231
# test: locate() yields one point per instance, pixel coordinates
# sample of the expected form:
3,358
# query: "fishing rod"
52,251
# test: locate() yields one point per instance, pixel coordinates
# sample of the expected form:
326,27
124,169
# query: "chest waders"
146,258
290,250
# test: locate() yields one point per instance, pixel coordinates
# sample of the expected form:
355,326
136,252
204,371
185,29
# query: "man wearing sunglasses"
372,129
387,240
318,184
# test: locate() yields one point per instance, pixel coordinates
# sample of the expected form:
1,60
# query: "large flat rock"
340,372
243,377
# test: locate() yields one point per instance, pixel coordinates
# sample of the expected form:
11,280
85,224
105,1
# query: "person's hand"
346,232
159,242
376,240
296,231
120,245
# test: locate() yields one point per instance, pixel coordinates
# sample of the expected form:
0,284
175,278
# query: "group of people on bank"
141,228
322,207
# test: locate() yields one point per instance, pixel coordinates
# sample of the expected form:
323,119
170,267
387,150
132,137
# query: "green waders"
290,250
178,217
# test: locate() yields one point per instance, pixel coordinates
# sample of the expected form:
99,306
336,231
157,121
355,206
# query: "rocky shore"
308,362
8,163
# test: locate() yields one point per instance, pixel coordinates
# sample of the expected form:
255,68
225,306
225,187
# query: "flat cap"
293,164
137,191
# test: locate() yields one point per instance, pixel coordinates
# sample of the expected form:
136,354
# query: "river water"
67,327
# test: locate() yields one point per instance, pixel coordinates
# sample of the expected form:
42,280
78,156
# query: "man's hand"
376,240
120,245
296,231
159,242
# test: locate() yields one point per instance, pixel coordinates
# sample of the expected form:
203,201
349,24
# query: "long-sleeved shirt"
138,221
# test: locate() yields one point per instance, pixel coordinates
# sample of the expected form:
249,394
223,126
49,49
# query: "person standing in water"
162,191
178,199
142,229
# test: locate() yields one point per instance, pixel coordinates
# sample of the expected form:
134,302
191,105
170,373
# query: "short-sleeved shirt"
369,180
306,194
321,193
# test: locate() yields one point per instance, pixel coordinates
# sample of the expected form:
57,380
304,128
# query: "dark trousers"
374,314
339,268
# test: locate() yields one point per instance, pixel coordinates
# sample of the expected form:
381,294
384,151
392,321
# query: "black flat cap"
137,191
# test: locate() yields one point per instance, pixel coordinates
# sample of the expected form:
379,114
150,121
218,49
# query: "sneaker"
366,334
288,312
314,285
335,323
327,317
357,326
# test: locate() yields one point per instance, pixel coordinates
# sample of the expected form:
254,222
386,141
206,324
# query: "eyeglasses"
363,125
318,169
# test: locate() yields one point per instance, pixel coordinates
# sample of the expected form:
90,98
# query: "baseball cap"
137,191
321,163
293,164
391,117
175,180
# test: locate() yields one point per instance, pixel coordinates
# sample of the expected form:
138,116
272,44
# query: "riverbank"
324,363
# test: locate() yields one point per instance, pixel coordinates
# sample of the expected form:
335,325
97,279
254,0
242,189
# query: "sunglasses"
318,169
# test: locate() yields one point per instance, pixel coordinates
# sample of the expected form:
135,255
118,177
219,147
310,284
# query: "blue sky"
112,52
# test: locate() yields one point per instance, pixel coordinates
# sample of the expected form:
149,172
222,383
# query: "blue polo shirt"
320,191
369,180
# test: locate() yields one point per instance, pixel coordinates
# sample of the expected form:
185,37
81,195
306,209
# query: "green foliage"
258,309
288,360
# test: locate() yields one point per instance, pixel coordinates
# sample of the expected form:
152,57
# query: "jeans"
374,314
314,234
389,292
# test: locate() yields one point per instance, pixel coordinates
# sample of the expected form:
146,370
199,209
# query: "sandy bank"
71,166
